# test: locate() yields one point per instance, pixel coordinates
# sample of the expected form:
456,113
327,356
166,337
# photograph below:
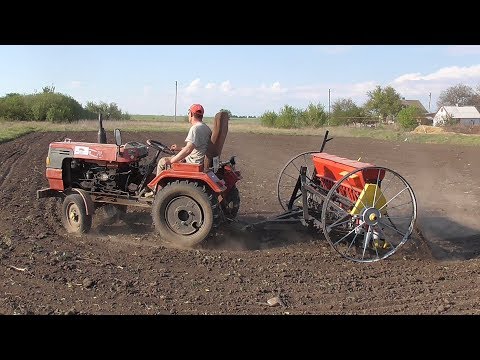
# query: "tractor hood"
129,152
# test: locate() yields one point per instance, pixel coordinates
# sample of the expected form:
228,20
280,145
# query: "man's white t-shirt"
199,135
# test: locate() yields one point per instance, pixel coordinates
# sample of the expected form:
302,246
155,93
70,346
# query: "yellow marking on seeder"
353,176
366,199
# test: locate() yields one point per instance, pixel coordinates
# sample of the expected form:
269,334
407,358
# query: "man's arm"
182,154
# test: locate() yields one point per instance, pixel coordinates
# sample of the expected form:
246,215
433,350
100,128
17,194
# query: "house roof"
415,103
462,112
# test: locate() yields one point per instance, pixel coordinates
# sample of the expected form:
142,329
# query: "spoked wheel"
184,213
288,178
369,213
74,215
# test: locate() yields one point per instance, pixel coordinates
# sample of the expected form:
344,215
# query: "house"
416,103
464,115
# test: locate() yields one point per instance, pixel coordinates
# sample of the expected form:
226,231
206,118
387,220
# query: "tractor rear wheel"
231,204
184,213
74,215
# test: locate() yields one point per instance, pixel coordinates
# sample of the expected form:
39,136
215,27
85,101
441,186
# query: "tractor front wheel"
74,215
184,213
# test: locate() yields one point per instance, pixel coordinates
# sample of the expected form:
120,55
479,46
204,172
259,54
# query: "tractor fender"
89,205
209,178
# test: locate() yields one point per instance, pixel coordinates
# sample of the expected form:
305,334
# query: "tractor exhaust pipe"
102,136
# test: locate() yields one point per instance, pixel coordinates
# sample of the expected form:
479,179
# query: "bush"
39,105
268,119
14,107
46,106
109,111
63,108
54,107
289,117
313,116
58,114
407,117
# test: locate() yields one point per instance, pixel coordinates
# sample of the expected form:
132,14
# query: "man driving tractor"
197,140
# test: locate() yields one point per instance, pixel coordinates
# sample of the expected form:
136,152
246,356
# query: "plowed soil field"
125,269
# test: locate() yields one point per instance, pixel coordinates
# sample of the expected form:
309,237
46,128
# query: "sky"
248,80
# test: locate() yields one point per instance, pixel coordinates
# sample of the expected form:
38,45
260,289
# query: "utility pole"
328,102
429,100
175,118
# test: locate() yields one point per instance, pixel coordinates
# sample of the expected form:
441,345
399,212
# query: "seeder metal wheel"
369,213
289,176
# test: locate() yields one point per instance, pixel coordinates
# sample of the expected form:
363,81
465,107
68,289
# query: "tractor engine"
110,179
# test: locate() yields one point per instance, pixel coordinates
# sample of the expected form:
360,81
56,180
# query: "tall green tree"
460,94
383,102
345,111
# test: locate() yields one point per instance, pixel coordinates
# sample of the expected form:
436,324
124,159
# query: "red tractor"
189,199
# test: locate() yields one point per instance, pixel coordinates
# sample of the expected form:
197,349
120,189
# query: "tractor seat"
219,134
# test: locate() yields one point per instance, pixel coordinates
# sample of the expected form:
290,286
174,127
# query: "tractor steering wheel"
159,146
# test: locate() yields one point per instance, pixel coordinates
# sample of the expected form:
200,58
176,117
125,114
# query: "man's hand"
184,152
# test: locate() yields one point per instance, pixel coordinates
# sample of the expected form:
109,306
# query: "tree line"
54,107
382,105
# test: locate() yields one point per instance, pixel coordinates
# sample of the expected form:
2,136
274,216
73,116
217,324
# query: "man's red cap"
196,109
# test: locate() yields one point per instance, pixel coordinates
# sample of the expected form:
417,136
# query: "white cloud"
361,89
446,73
420,86
459,50
275,88
210,86
408,77
226,86
75,84
194,86
428,87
